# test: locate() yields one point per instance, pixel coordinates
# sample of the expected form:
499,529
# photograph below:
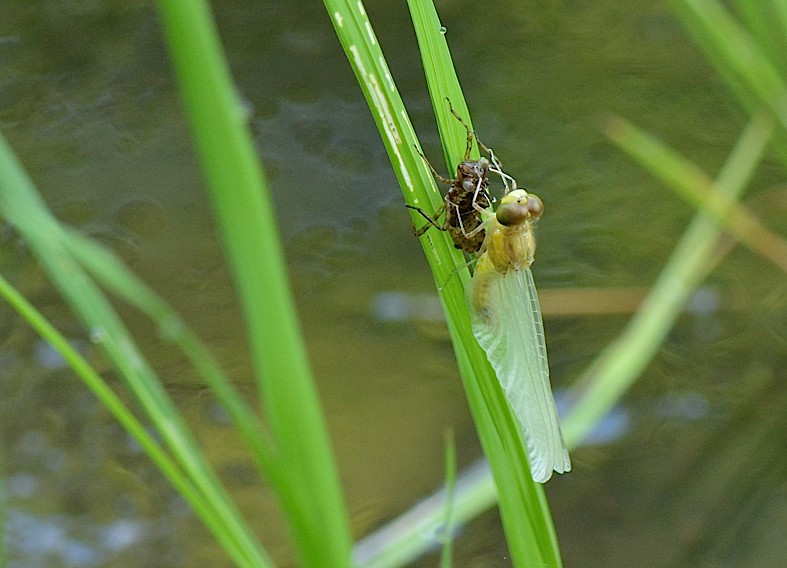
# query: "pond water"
687,471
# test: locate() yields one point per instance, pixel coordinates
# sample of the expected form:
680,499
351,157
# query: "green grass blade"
740,59
410,535
312,499
114,404
691,183
525,516
114,275
447,553
442,81
761,19
21,205
524,510
418,186
779,9
623,361
734,50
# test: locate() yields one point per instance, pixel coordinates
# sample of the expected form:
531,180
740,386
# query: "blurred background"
687,471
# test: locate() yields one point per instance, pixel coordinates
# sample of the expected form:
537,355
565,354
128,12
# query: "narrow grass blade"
731,48
691,183
762,19
421,528
312,499
21,205
441,80
740,58
113,403
446,557
623,361
418,186
523,507
525,514
113,274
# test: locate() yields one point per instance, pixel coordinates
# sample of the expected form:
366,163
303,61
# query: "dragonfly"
506,320
467,197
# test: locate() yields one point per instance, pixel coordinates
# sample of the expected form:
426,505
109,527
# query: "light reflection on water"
59,539
95,118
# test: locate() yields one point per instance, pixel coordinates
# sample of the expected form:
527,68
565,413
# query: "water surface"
686,472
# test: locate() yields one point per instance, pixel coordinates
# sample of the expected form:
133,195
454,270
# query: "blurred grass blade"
111,401
762,19
525,516
742,58
312,497
3,506
735,52
21,205
113,274
624,360
446,556
420,529
779,8
691,183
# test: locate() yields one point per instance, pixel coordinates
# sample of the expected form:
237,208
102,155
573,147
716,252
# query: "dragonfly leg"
477,192
508,181
456,270
437,176
432,220
480,227
470,133
497,167
485,213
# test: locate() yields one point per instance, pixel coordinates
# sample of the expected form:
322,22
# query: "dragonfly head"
471,172
517,207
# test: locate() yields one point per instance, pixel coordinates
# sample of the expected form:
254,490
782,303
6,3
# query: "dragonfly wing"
509,328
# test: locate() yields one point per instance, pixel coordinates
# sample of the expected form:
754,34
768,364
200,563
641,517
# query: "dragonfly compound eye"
511,214
535,206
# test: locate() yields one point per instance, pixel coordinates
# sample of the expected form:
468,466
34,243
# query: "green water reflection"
692,473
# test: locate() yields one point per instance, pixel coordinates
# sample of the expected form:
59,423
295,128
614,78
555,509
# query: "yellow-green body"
506,319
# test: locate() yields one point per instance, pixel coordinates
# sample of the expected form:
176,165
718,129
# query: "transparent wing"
507,323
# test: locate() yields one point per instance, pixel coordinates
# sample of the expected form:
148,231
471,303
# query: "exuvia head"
473,171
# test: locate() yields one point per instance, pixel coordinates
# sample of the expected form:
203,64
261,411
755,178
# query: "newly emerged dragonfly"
467,196
506,319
